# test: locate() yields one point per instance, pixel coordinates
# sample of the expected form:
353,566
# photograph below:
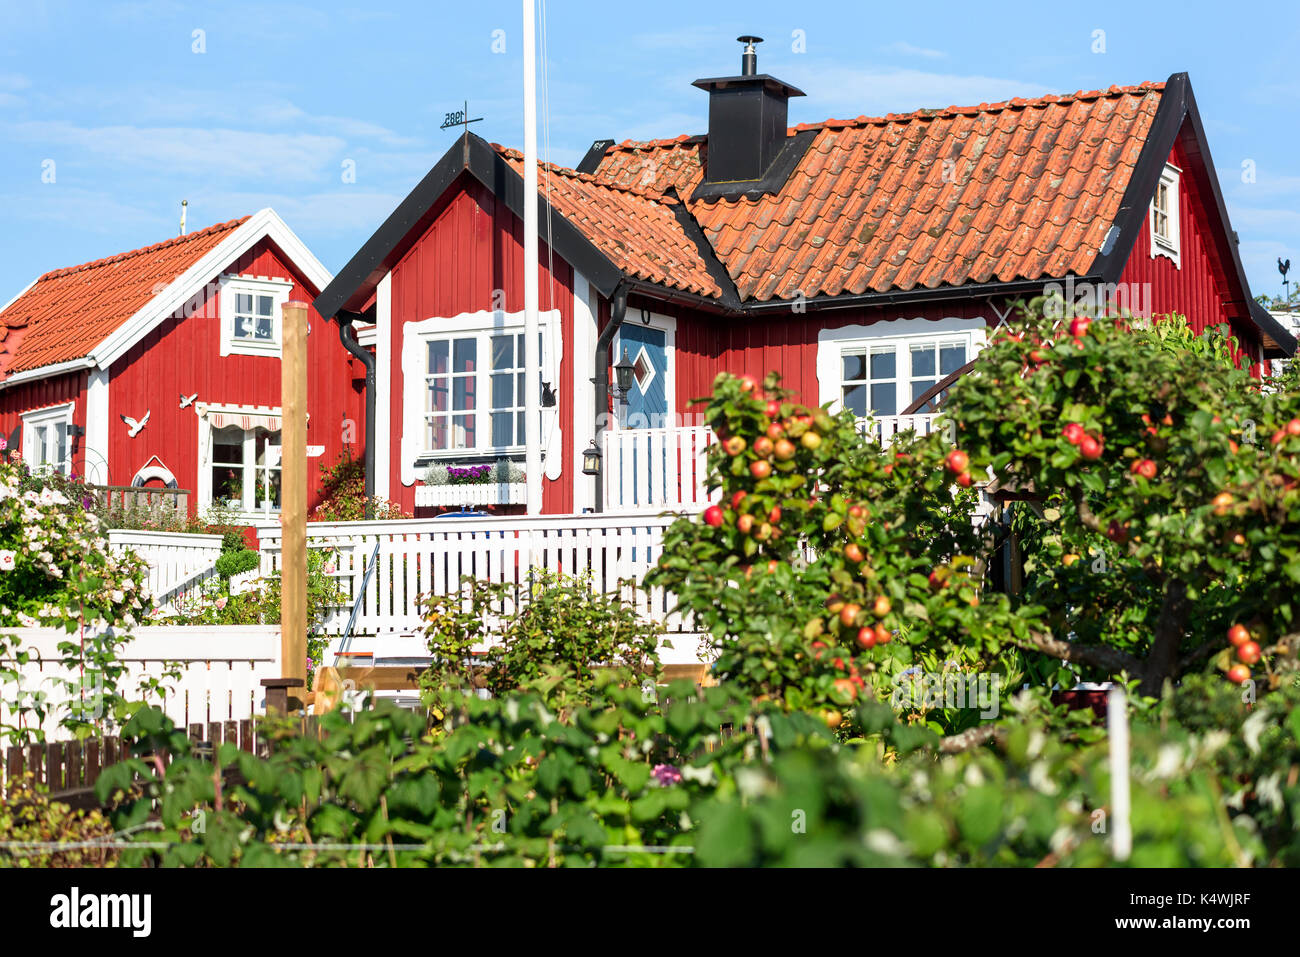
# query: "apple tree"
1150,485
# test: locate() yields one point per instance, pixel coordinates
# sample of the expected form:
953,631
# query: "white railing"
175,559
491,493
655,469
423,556
885,427
221,669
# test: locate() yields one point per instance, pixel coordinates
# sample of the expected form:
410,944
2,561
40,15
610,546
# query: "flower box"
492,493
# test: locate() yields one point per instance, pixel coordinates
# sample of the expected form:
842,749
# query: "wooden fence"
177,561
422,556
220,673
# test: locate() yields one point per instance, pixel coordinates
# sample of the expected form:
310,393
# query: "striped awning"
245,420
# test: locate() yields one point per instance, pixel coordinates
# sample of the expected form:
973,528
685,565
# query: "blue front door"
647,400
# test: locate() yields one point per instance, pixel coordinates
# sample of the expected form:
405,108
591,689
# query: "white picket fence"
221,669
422,556
655,469
177,561
884,428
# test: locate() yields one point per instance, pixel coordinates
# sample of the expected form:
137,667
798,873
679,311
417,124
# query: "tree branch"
1171,625
971,738
1097,656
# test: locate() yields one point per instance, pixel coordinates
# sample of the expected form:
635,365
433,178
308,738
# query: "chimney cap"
772,84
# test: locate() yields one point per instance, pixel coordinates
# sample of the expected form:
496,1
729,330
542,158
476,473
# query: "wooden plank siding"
1201,285
182,355
472,247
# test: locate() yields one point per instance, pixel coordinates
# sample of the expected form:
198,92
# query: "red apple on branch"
713,516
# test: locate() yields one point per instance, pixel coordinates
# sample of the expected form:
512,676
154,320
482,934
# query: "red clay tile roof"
68,312
1025,189
635,229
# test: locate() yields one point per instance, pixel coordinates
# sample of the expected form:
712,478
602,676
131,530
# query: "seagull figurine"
188,400
132,426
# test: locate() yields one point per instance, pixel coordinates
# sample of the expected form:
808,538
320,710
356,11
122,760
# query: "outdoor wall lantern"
591,459
623,376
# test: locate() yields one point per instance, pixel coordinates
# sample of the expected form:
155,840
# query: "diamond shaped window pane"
643,370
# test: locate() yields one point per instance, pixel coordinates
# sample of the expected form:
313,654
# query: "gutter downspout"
618,309
348,336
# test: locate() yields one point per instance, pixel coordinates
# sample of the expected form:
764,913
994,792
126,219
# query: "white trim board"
585,311
264,224
383,387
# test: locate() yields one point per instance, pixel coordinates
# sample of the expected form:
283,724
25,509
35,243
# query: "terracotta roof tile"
68,312
634,226
1031,189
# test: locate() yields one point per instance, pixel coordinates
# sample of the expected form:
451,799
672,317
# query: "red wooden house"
863,259
160,366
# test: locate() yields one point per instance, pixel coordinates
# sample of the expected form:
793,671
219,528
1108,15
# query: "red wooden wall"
1199,285
784,342
182,355
473,246
40,394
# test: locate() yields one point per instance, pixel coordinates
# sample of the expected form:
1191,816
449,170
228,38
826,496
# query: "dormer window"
250,315
1164,215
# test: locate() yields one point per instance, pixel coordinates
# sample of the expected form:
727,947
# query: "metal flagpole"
532,357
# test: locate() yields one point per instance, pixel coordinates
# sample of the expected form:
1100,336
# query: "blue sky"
282,97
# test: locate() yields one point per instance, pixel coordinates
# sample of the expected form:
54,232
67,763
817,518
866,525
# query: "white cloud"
907,49
849,91
195,151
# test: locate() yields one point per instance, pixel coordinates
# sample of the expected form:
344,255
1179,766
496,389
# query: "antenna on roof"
184,203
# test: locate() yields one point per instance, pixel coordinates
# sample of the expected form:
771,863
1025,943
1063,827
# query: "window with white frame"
474,391
245,468
882,377
47,438
250,315
1164,215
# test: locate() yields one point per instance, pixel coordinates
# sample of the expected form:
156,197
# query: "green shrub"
234,562
557,643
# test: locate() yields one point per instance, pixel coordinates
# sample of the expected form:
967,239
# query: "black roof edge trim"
773,180
1266,324
730,298
1134,207
1286,342
1015,287
595,154
372,259
469,153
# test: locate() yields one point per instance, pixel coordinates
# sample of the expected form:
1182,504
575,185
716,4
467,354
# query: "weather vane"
459,118
1284,268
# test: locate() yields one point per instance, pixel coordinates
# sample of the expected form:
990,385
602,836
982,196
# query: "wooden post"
293,493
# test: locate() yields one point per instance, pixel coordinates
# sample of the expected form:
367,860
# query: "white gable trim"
264,224
20,294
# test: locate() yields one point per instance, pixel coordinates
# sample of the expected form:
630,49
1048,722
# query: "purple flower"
88,503
666,774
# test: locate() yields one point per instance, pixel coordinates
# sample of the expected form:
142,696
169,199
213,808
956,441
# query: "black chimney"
747,120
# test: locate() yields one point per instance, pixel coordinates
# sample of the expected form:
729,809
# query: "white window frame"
1169,246
249,510
39,419
898,334
231,286
482,326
